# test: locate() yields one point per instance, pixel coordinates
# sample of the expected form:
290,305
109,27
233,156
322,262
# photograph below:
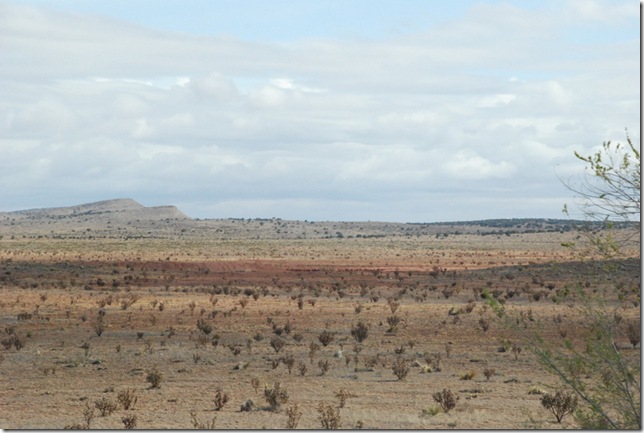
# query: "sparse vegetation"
275,396
329,416
446,399
154,377
294,414
560,404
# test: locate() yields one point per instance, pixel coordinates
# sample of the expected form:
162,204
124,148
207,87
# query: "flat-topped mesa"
117,211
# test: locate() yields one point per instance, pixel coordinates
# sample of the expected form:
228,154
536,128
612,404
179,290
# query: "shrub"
633,332
313,348
343,395
301,367
488,372
325,338
468,376
360,332
221,398
275,396
196,424
204,326
99,326
277,344
254,382
247,406
294,414
154,377
329,416
431,411
393,322
560,404
129,422
105,406
127,398
434,360
324,366
400,368
446,399
289,361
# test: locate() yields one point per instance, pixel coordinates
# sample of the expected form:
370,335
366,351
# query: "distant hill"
104,218
125,218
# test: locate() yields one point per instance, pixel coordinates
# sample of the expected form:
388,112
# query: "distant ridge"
100,215
114,206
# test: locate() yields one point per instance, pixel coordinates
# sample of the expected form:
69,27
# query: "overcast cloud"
471,116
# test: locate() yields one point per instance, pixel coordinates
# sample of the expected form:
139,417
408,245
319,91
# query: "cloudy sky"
390,110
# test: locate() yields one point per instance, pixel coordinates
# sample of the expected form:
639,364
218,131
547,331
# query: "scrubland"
360,332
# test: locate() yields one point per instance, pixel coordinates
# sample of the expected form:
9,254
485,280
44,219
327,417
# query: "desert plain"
192,319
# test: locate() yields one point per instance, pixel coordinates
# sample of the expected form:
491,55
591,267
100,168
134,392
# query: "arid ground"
94,316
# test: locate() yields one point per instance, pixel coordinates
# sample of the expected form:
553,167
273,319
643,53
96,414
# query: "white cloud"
485,104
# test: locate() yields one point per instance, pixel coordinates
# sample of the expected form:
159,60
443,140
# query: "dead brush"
343,395
329,416
127,398
400,368
154,377
323,365
275,396
446,399
105,406
129,422
221,398
198,425
294,414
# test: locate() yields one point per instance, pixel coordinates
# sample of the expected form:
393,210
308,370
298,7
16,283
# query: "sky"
343,110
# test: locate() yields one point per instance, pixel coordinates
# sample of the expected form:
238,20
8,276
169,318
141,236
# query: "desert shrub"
446,399
325,338
313,348
88,416
275,396
560,404
198,425
434,360
343,395
393,322
468,376
329,416
488,372
277,344
294,414
360,332
99,326
129,422
105,406
431,411
484,324
301,367
247,406
254,382
154,377
221,398
516,349
289,362
127,398
633,332
324,366
400,368
204,326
